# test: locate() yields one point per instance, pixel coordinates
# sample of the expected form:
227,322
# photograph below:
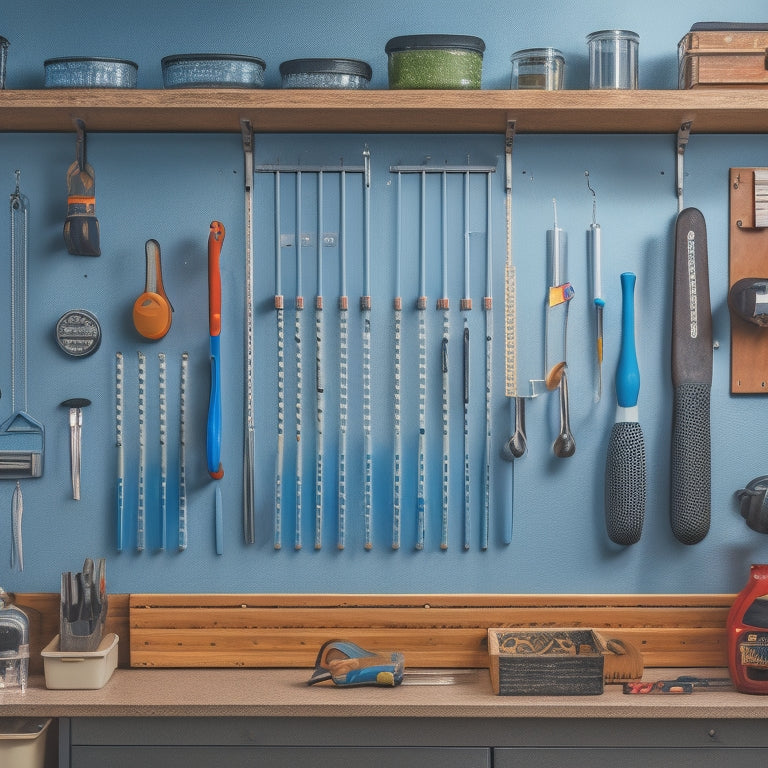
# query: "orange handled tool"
213,442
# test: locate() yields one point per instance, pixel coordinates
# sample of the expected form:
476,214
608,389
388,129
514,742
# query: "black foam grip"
691,502
625,483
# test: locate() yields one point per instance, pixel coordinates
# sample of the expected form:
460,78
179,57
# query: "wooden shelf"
711,110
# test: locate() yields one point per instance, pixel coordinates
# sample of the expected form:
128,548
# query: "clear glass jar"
538,69
613,59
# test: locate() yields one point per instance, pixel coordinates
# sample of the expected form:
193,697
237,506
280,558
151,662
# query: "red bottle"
748,634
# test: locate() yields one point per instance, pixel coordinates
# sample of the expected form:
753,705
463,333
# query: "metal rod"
515,446
594,250
443,169
281,168
17,513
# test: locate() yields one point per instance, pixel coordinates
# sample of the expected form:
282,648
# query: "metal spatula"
81,227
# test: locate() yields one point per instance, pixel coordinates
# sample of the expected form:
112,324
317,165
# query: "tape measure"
78,333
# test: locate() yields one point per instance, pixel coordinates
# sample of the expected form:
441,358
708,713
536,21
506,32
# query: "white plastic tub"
79,670
22,742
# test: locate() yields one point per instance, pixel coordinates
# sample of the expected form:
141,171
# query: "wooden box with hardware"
545,661
732,55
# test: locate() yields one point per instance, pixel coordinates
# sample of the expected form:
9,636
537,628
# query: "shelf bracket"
509,140
683,134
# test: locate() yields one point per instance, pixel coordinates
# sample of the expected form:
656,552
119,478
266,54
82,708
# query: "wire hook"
594,198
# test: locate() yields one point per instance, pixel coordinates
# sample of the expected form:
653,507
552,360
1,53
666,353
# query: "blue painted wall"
169,187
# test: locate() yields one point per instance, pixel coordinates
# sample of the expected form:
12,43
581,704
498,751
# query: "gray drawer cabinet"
401,742
628,757
266,743
374,756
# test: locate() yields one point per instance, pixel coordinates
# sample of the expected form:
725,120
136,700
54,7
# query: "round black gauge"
78,333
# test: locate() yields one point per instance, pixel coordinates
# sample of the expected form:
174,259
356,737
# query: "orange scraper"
152,311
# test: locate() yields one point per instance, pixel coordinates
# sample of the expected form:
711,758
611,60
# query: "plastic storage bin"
325,73
79,670
22,742
83,72
212,70
14,645
435,61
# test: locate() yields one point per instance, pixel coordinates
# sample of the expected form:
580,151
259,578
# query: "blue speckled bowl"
83,72
212,70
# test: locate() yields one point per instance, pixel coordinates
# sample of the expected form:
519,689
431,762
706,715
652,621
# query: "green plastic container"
441,62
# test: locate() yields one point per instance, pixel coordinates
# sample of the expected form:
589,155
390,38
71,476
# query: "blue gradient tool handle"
628,372
213,441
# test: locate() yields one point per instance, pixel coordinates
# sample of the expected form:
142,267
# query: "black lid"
430,42
327,66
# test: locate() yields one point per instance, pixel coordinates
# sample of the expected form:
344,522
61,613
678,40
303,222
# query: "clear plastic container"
325,73
212,70
613,59
538,69
435,62
14,645
84,72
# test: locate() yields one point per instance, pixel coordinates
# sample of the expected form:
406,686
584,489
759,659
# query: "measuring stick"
365,307
163,448
280,321
182,452
466,306
421,306
343,366
249,480
297,544
120,489
319,385
443,305
488,307
141,508
398,440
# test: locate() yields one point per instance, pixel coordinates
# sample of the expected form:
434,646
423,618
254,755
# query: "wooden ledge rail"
286,630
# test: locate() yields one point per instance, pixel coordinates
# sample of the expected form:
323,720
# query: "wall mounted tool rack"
748,249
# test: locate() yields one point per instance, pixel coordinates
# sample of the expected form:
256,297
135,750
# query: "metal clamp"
683,134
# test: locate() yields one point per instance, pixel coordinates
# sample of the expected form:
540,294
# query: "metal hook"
594,198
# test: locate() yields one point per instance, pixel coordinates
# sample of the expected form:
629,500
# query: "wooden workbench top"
284,693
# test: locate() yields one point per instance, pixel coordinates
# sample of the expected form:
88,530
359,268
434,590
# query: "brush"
622,660
81,227
625,463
